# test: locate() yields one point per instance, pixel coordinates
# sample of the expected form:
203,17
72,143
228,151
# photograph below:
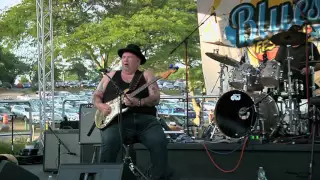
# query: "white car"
71,113
21,111
167,85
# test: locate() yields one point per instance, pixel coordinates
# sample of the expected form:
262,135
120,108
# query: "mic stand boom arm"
185,42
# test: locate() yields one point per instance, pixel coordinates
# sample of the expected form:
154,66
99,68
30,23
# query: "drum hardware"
245,77
289,90
222,66
223,59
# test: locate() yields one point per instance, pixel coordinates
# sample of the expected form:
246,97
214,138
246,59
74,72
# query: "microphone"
215,16
242,60
105,70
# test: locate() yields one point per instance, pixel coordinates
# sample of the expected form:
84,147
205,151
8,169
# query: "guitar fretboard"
141,88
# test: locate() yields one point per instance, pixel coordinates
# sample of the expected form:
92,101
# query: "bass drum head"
227,117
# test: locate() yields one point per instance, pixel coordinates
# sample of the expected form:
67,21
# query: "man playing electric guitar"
139,123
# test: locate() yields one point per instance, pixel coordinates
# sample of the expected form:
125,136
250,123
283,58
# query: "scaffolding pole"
45,61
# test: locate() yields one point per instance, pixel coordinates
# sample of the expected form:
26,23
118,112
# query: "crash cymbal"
223,59
219,43
288,38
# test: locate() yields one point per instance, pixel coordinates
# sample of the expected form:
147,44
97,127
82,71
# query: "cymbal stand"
246,80
290,110
222,66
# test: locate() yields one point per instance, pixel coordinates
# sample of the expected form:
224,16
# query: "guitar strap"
135,80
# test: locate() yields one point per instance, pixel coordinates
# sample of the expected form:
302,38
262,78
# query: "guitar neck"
137,91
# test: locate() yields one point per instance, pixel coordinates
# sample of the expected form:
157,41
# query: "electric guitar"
102,121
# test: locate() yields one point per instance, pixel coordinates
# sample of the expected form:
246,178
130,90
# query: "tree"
96,29
10,66
79,69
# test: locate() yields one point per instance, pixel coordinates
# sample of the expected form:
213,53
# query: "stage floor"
280,161
189,161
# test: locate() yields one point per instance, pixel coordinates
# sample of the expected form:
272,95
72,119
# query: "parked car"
22,112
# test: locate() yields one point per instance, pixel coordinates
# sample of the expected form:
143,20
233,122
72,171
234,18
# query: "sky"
8,3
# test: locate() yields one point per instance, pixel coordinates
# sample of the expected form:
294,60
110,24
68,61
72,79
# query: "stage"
280,161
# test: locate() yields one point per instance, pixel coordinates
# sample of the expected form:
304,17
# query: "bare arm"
98,93
154,92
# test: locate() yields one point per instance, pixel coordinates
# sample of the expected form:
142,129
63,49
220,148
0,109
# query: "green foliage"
5,147
10,66
24,79
70,76
95,30
180,74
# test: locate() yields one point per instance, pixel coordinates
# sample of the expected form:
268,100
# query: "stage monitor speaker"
11,171
87,115
95,172
70,137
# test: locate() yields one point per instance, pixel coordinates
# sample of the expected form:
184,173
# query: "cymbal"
288,38
223,59
219,43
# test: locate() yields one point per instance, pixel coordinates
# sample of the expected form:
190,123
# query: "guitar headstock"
171,70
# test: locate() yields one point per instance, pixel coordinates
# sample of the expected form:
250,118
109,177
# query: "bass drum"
236,115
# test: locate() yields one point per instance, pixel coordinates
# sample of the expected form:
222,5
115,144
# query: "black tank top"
111,93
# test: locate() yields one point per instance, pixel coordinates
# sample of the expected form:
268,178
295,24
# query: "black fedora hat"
134,49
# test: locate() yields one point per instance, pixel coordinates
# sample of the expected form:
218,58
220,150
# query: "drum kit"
264,100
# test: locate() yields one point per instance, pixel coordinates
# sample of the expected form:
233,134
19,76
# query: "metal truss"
45,61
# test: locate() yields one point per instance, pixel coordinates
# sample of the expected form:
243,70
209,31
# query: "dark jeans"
137,128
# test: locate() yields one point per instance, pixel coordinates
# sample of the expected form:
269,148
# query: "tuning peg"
170,66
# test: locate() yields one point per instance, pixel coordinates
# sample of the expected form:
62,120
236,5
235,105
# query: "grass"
5,147
171,92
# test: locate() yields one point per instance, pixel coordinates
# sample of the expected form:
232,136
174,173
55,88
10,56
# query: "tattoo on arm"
98,94
154,96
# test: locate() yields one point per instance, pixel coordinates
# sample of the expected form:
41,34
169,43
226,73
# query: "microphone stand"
186,61
59,146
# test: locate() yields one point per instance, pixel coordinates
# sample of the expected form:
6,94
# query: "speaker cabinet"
95,172
11,171
68,137
86,119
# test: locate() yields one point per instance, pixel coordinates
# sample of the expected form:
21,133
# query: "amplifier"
69,137
95,171
11,171
87,115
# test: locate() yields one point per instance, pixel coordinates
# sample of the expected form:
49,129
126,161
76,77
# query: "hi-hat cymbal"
219,43
288,38
223,59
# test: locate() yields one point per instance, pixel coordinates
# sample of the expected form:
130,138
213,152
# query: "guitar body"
103,121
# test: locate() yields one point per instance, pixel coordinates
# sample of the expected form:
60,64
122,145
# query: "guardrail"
30,121
185,116
190,97
64,103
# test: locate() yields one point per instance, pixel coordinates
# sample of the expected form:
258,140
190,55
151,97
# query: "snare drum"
246,74
270,74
